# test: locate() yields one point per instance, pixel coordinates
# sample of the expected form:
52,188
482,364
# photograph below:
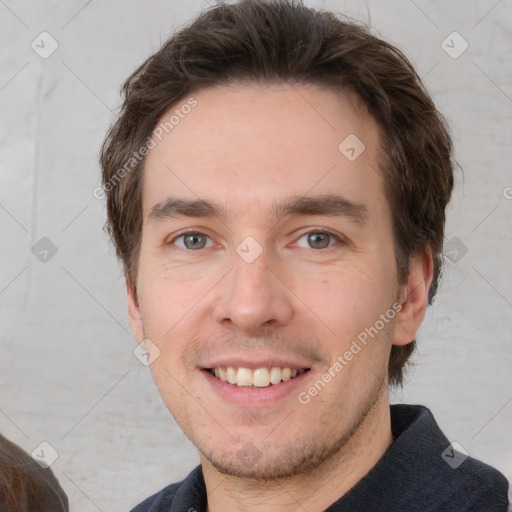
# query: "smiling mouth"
258,378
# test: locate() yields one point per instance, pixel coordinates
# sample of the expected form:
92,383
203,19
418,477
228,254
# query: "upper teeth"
261,377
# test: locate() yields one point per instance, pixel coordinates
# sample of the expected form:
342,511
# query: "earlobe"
414,298
134,314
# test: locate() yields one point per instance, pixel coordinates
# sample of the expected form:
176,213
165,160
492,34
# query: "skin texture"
247,147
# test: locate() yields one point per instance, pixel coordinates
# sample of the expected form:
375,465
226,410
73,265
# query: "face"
266,257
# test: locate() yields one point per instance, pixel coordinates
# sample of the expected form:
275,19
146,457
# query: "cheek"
170,305
171,384
346,299
166,294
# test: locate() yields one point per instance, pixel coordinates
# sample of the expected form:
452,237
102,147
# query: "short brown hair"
283,41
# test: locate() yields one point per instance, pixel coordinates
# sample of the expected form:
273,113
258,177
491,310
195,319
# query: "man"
276,189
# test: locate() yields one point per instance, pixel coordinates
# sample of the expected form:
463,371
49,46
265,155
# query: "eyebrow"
329,205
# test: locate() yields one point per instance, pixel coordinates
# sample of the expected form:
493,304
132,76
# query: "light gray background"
67,372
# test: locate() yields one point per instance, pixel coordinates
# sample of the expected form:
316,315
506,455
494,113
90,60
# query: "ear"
134,314
414,298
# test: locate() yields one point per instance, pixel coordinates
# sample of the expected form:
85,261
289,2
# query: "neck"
314,490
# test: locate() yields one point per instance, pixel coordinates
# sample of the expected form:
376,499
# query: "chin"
269,463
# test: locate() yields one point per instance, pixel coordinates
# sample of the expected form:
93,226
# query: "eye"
318,240
192,240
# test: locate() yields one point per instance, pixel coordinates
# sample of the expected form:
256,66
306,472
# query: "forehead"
251,145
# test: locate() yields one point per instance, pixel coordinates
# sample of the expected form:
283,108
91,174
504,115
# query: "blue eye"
195,240
319,239
192,240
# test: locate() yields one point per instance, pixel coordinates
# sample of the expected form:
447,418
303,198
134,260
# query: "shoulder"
159,502
478,487
428,469
190,493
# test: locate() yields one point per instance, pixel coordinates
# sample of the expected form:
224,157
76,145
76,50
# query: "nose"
252,297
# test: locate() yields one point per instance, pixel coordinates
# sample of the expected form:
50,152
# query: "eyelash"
323,231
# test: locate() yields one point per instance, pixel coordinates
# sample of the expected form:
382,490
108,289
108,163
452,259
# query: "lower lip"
245,396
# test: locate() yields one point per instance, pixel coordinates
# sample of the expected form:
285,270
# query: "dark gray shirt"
420,472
